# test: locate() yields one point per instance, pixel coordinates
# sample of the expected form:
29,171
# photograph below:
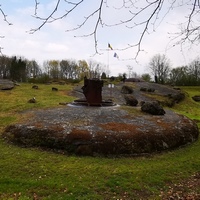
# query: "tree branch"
134,7
5,17
190,30
50,18
36,7
136,11
98,21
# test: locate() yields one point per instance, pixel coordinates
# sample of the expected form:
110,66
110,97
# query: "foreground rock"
6,84
130,100
102,131
196,98
126,89
152,107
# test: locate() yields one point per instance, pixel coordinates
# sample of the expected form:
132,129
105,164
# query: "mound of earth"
116,130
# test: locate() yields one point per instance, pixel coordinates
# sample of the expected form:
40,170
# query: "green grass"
189,107
16,100
27,173
12,102
54,176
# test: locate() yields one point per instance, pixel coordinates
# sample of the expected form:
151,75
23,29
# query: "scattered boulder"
178,97
141,103
150,90
15,83
153,108
35,87
196,98
48,83
130,100
6,84
62,83
126,89
175,98
144,89
176,88
54,89
33,100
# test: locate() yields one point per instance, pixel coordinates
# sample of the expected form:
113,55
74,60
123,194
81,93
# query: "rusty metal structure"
92,90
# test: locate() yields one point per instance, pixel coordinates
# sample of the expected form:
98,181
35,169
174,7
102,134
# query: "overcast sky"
54,42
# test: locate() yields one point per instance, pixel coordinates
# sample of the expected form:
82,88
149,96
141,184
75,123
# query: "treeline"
24,70
160,68
186,75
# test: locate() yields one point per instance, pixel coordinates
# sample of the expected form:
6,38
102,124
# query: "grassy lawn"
15,101
36,174
189,107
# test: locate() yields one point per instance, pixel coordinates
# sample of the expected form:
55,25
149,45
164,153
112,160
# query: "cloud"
53,47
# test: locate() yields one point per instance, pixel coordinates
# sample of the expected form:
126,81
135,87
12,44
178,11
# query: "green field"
30,173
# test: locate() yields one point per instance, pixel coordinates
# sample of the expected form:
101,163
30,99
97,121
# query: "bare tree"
159,66
130,70
5,63
131,73
33,69
83,69
65,69
178,76
146,77
186,75
69,69
194,70
95,69
147,15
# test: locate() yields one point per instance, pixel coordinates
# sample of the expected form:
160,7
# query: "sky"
54,42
